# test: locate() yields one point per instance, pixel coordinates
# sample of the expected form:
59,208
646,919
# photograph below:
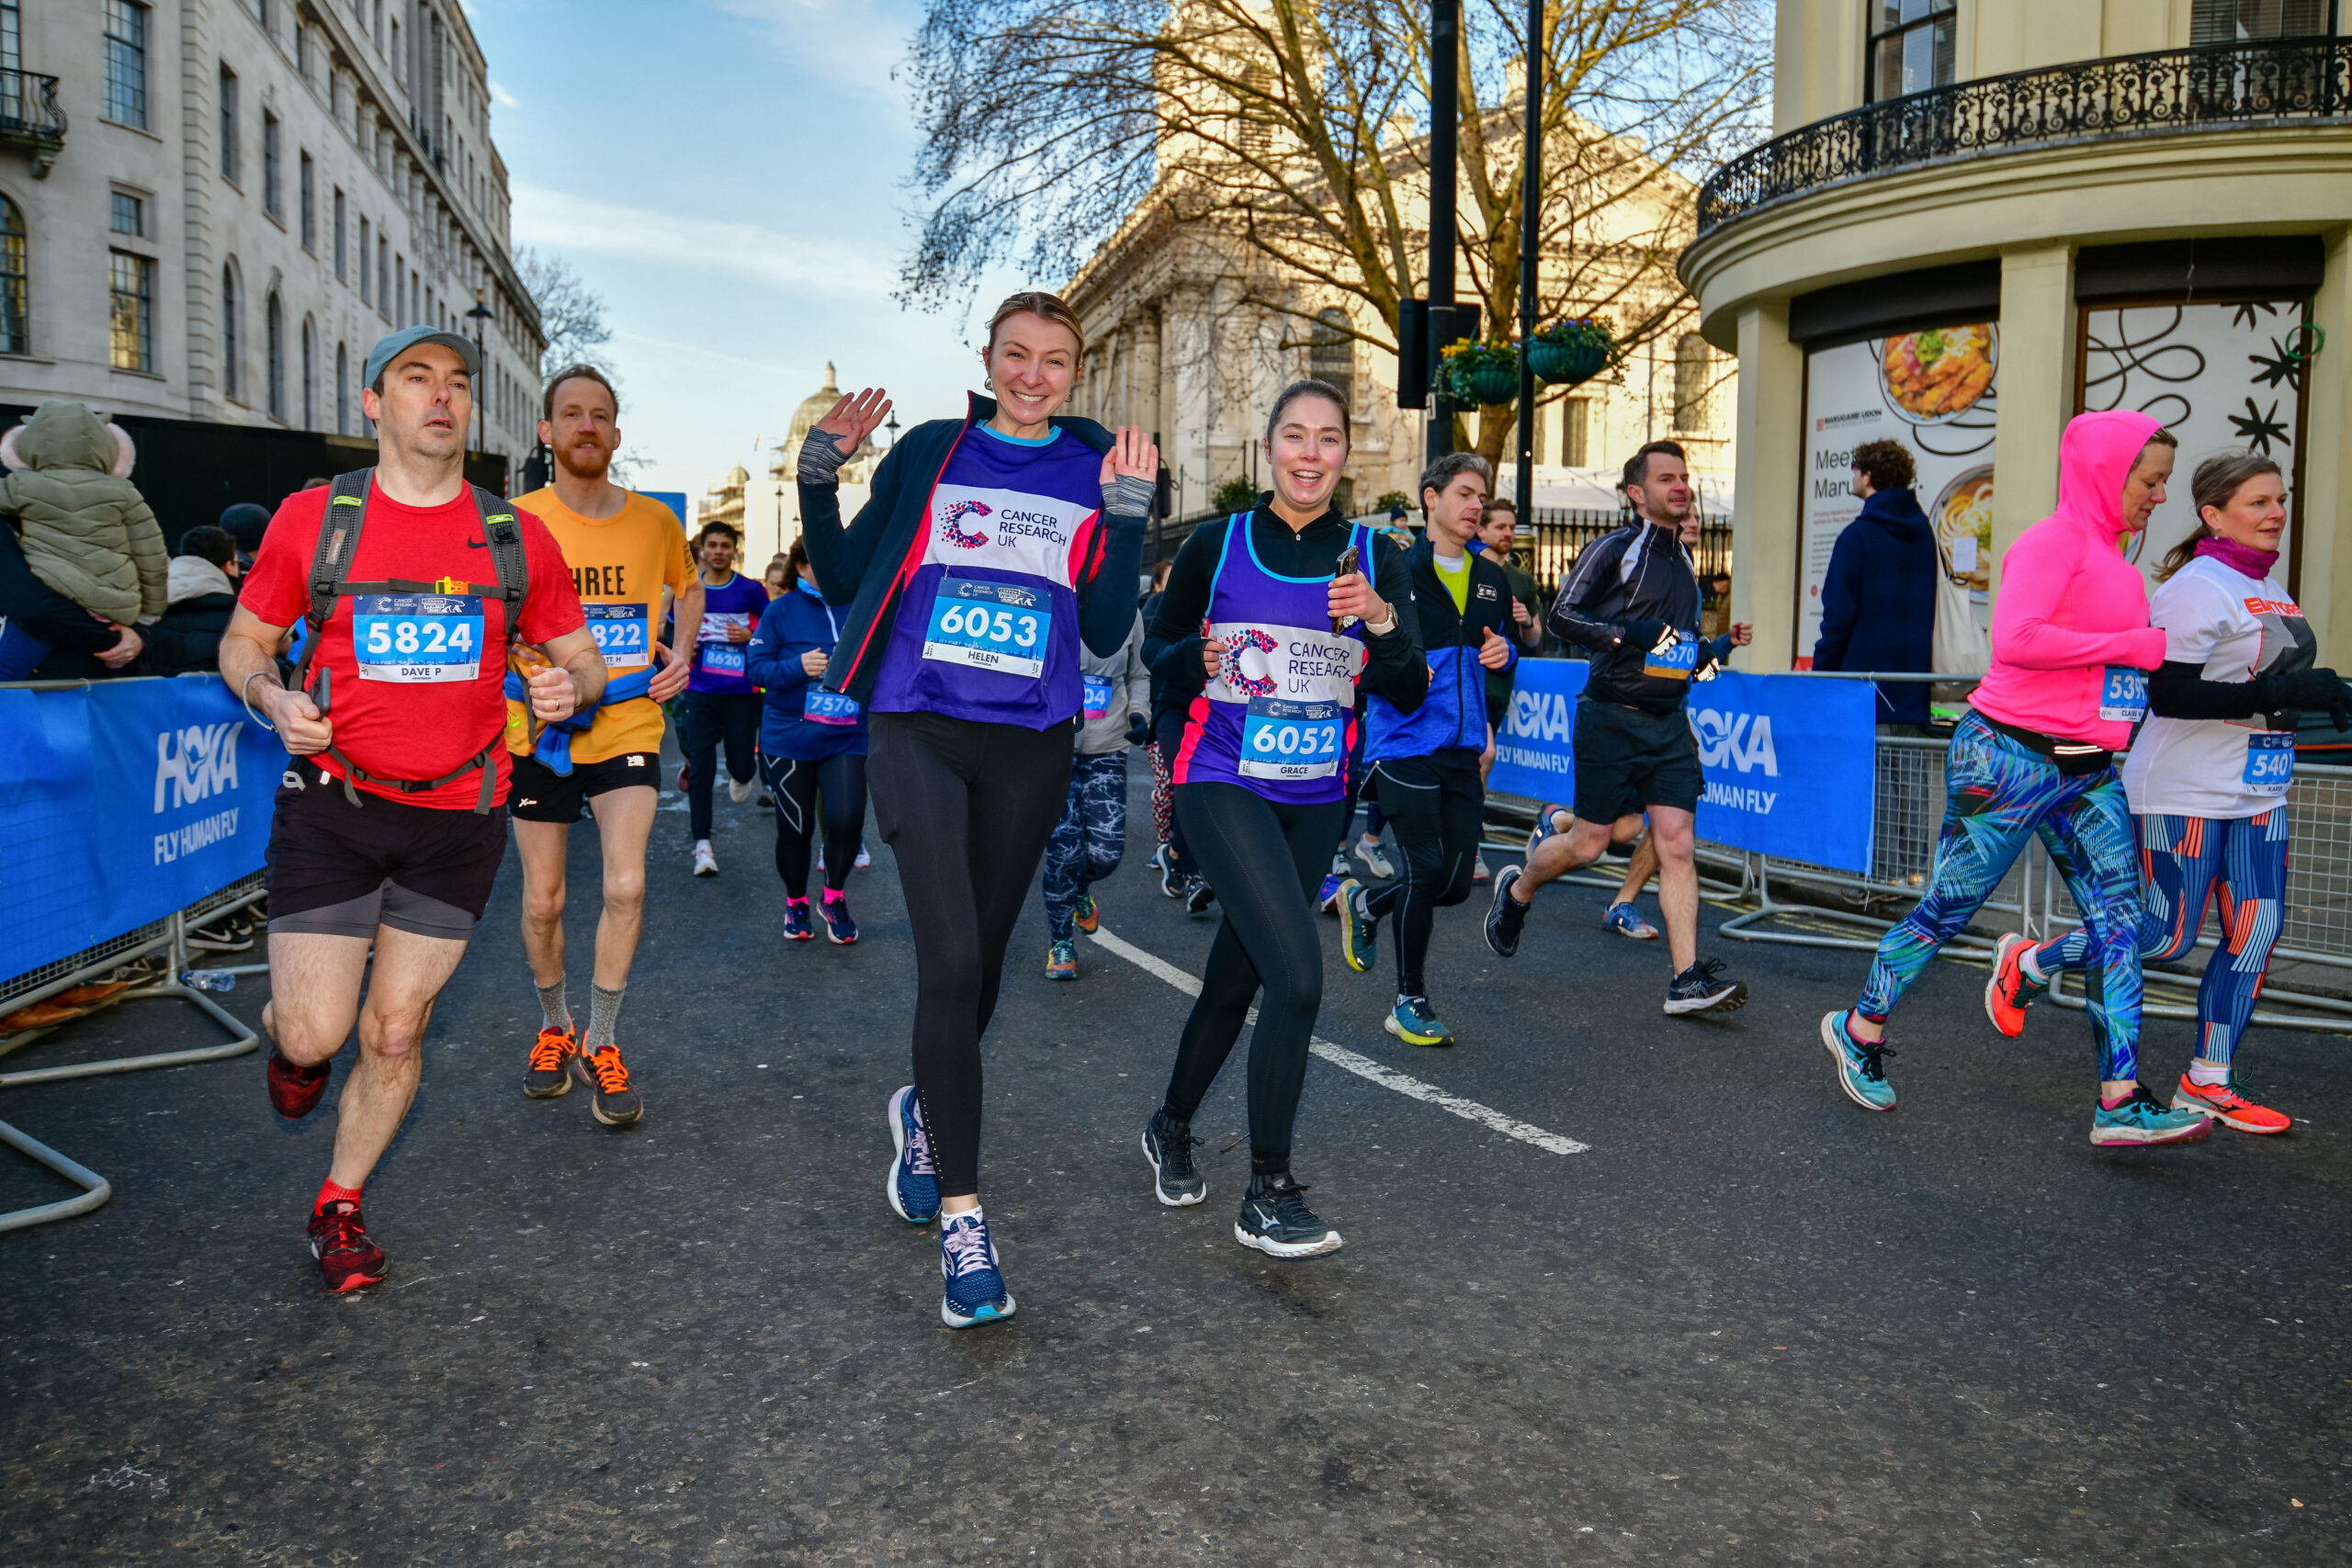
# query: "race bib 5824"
417,639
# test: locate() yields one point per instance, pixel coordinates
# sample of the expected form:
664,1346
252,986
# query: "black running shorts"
1628,760
336,869
542,795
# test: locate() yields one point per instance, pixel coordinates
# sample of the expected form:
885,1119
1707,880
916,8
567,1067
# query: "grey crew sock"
555,1007
604,1012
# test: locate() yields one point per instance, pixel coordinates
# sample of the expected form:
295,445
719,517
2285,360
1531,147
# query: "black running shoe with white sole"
1276,1221
1169,1146
1506,916
1198,900
1702,989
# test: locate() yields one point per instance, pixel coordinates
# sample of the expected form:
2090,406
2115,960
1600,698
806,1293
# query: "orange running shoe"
615,1104
546,1078
2227,1103
2011,990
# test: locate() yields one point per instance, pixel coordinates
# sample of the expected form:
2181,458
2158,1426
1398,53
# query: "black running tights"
1436,806
705,719
1265,860
967,807
797,784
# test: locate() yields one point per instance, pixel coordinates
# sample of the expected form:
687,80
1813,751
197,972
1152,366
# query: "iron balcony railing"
29,115
2175,89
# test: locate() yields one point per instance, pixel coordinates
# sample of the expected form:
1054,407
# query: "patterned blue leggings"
2188,861
2000,794
1090,837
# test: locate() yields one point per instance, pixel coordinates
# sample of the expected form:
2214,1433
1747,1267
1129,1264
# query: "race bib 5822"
622,634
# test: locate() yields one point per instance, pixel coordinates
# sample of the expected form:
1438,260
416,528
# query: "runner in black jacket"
1632,599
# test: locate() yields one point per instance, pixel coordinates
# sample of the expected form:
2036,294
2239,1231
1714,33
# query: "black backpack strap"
339,526
504,531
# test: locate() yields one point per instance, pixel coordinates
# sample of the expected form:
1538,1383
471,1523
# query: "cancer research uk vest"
1279,717
986,626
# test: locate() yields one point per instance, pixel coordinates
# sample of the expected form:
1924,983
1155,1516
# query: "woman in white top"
2207,775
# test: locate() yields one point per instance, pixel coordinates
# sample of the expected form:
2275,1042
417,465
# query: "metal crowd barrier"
169,939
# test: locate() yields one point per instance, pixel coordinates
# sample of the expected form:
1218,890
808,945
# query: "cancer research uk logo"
1742,741
194,765
1249,637
950,522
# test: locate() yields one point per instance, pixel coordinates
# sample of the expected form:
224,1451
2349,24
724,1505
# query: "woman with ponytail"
2206,779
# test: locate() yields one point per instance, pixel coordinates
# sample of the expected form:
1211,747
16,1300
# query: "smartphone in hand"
1351,560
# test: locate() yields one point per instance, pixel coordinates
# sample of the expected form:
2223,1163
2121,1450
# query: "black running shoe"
1506,915
1276,1221
1198,900
1171,881
1702,989
1169,1146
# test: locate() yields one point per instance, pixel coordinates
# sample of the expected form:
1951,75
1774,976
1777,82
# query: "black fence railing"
28,110
1562,533
2167,89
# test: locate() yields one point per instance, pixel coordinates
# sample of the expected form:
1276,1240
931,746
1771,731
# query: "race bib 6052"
1292,741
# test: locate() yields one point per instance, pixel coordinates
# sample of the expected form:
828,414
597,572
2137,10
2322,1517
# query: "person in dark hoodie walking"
1877,602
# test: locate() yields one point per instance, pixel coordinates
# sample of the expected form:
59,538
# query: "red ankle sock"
329,1192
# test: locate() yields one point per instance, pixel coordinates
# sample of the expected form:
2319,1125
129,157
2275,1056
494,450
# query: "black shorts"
1628,759
542,795
336,869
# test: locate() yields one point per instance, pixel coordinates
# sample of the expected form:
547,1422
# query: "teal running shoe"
2144,1120
1359,932
972,1288
1412,1022
1862,1067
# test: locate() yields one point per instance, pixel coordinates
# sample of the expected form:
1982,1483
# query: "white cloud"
849,43
499,95
584,225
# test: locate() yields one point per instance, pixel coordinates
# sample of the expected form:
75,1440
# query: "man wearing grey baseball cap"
392,822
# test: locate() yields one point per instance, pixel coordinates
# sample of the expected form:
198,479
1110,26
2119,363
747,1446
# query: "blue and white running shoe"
972,1290
2143,1119
1861,1072
913,1186
1627,919
1327,898
1415,1023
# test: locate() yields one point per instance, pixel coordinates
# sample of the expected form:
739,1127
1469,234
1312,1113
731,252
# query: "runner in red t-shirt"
416,708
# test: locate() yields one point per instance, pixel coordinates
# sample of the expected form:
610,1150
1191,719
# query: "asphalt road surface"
1616,1288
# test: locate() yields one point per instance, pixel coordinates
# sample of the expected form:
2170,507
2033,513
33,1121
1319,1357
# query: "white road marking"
1361,1065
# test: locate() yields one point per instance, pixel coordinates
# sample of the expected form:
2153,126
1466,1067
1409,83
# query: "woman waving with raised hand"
1283,610
991,547
2208,778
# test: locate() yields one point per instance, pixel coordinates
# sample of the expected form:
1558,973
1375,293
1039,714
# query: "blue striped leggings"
2000,795
2188,863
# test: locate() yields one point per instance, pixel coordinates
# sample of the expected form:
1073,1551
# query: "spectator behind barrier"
84,529
246,523
1877,602
204,596
63,641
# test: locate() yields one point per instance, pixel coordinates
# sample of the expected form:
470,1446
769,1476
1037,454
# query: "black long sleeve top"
1395,668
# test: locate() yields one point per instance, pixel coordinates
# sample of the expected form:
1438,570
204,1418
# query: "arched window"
1331,351
15,328
343,389
232,380
274,347
1692,367
310,376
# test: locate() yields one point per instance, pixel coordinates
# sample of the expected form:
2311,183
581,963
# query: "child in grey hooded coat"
87,530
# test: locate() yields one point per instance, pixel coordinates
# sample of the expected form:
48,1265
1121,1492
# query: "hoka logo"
954,534
1249,638
1744,740
197,762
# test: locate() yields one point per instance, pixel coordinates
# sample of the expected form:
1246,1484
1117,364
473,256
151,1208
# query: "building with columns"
1981,216
211,210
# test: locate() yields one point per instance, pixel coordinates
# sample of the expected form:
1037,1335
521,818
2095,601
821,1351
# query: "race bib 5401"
2270,762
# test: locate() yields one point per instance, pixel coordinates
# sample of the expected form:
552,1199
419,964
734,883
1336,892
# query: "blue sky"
727,175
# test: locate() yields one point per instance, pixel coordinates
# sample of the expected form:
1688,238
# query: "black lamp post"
1531,233
1445,115
477,315
891,424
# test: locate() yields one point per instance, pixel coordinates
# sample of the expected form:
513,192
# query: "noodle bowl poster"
1932,389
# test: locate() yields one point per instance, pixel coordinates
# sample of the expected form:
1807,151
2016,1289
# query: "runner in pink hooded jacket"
2071,649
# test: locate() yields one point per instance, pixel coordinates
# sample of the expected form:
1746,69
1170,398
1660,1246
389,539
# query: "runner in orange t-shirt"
627,555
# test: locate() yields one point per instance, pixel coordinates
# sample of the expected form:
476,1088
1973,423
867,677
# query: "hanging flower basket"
1569,352
1481,374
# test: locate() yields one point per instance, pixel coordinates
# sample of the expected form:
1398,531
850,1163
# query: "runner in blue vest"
1260,788
991,546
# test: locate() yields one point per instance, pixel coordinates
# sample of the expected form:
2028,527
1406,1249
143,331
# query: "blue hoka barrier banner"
1790,761
1534,747
1791,766
122,802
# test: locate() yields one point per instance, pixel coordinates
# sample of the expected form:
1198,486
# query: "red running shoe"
2011,990
346,1258
2227,1103
295,1090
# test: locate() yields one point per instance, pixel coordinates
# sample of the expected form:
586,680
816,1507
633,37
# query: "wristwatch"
1385,627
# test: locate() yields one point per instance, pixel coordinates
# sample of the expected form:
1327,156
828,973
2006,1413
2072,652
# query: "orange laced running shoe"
2011,990
545,1078
2227,1103
615,1104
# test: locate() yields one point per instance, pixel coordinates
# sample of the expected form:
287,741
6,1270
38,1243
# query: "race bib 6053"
989,626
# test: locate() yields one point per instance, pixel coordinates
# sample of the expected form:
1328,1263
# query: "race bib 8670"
417,639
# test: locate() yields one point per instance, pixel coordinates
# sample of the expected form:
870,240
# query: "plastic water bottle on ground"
208,980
